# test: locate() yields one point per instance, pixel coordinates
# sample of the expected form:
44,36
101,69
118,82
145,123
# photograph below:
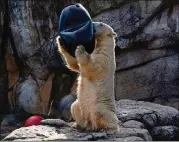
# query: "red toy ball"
33,120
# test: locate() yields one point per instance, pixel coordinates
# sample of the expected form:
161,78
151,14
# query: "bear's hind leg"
107,119
77,114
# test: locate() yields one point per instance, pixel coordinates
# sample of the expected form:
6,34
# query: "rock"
41,132
140,56
147,64
54,122
11,120
27,96
149,81
138,119
150,114
4,86
177,120
150,119
173,102
6,130
165,133
33,132
133,124
133,138
62,109
128,132
33,37
156,118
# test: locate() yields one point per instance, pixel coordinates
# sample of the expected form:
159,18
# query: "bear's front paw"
80,50
80,53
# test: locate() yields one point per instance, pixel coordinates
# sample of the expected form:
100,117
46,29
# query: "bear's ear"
113,34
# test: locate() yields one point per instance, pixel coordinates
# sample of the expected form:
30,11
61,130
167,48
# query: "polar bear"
95,107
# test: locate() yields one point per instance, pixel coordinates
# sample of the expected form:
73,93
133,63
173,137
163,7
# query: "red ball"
33,120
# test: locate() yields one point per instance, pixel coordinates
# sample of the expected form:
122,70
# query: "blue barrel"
76,28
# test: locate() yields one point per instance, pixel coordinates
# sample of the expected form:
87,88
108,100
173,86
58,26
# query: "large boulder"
138,121
39,133
150,114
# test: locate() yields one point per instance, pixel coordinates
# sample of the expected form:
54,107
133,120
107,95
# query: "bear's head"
104,30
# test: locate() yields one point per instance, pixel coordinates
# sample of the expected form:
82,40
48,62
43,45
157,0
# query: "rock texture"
148,62
3,66
150,114
39,67
165,133
39,133
146,57
139,121
133,124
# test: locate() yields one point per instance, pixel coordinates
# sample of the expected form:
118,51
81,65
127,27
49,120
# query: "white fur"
95,105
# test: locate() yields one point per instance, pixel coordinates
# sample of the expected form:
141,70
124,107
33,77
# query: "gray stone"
149,81
133,124
128,132
165,133
45,133
54,122
138,119
33,32
150,114
35,133
133,138
10,120
150,119
147,64
4,84
6,130
177,120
